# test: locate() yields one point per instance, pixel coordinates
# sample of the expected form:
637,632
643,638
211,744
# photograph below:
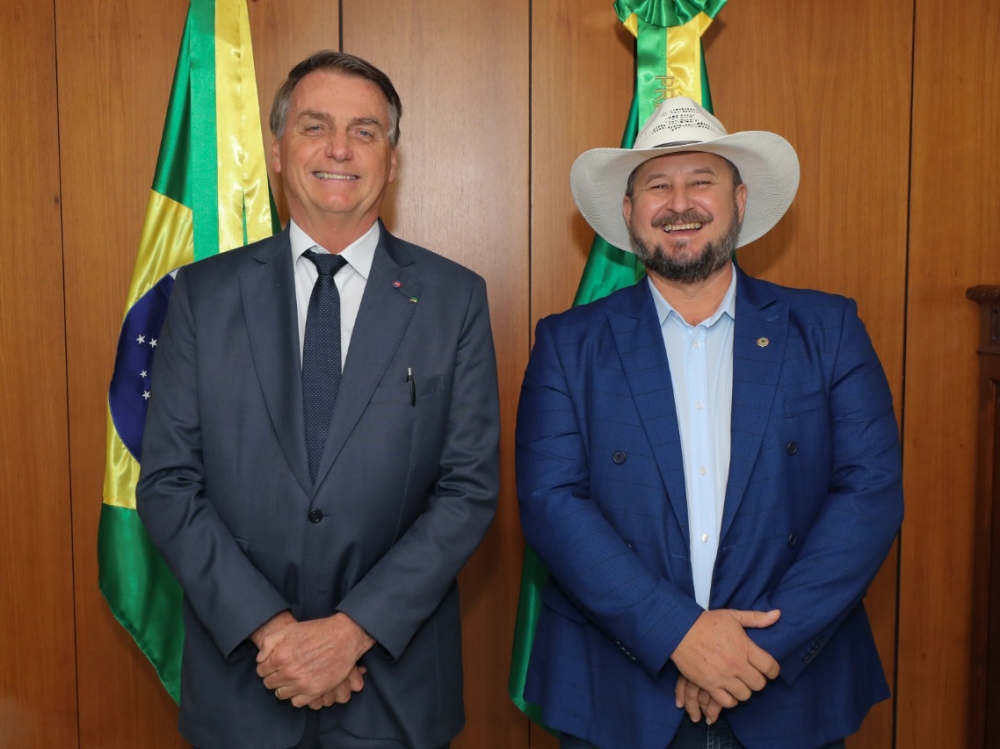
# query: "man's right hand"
717,655
275,624
695,701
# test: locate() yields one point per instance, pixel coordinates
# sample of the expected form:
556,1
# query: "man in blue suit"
709,466
320,454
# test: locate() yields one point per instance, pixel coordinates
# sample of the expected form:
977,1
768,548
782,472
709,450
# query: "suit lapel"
639,340
269,308
759,338
386,309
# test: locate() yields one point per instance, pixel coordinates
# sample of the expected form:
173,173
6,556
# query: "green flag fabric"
209,194
669,62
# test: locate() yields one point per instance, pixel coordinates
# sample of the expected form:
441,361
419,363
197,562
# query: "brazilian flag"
210,194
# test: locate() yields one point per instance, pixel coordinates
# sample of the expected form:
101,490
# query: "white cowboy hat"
767,164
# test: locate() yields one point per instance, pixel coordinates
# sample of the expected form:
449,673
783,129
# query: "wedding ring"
277,693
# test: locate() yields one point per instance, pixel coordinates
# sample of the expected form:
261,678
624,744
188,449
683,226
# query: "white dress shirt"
701,371
351,280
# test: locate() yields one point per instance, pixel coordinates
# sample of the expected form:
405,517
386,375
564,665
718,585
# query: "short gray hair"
345,64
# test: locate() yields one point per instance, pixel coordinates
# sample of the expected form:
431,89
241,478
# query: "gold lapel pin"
762,341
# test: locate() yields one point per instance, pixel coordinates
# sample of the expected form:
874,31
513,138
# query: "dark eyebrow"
312,114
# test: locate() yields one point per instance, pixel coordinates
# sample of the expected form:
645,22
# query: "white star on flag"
141,339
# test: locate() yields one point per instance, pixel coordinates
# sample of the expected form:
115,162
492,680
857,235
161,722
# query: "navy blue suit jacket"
405,491
813,503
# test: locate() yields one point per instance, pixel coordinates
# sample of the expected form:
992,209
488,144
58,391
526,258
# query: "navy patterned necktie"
321,355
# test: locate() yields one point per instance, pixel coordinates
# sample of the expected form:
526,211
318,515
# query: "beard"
688,270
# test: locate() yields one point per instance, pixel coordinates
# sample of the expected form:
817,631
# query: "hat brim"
767,162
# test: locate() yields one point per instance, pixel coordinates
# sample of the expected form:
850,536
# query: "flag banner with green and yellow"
210,194
669,62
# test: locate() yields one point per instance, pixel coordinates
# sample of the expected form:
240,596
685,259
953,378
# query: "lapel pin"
762,342
396,284
413,299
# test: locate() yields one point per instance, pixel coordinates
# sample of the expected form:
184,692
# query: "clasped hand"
312,663
720,665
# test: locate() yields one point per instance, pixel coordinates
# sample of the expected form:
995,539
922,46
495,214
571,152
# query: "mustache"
688,217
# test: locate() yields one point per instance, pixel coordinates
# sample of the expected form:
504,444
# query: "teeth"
328,175
681,227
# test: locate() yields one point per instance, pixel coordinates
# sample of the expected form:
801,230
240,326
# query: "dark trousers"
689,736
323,733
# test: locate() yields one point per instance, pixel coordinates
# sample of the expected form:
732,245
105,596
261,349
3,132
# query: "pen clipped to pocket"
413,386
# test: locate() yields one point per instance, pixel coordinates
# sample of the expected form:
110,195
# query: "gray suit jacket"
404,492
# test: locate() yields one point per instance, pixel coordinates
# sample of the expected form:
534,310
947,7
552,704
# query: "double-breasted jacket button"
315,516
792,447
618,457
792,540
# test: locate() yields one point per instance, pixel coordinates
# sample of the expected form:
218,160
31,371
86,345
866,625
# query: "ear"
741,199
276,154
627,209
392,165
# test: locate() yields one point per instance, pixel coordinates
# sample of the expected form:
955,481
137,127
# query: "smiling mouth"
682,227
332,176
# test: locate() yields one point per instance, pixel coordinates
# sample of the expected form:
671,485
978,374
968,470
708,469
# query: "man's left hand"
307,660
343,692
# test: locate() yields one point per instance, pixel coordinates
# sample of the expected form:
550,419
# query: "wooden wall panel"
37,668
582,74
954,244
116,64
461,69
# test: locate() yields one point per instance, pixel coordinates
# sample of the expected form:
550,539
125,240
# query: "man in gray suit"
318,552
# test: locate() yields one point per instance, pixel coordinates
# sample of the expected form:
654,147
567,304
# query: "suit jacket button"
618,457
315,516
792,447
792,540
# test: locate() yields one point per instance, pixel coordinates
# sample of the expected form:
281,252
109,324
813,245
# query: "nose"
678,199
338,146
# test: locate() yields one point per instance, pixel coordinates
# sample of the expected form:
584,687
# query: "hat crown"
678,121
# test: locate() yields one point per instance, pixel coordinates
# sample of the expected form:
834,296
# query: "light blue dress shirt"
701,372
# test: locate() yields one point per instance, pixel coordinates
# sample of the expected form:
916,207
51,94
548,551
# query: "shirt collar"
359,254
726,307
